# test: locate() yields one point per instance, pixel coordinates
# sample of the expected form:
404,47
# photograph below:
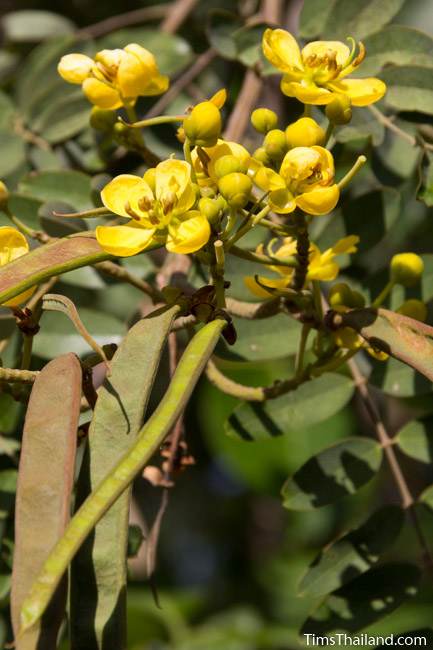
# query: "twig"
404,135
201,62
386,442
39,294
239,118
12,375
120,273
113,23
179,11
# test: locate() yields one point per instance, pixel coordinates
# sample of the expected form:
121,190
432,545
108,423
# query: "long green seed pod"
151,436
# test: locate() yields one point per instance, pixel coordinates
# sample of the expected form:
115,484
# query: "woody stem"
302,248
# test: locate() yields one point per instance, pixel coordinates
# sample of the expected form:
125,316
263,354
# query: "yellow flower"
12,245
321,266
159,206
305,180
115,77
317,73
204,161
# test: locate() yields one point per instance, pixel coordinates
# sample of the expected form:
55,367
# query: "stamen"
131,212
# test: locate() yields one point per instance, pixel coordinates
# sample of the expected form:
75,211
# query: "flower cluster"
205,202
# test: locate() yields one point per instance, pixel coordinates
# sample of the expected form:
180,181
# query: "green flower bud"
414,309
263,120
339,111
4,195
210,208
102,120
227,165
305,132
275,144
341,295
261,155
203,125
406,269
236,189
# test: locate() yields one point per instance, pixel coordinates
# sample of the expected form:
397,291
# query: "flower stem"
302,250
351,173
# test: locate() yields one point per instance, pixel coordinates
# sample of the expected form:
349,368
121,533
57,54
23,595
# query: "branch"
120,273
124,20
404,135
179,11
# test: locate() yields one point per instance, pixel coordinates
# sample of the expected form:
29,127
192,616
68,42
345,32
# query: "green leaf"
362,127
220,30
63,118
118,416
58,226
312,402
359,18
30,26
248,42
8,487
48,260
13,152
314,14
46,477
404,338
64,186
267,338
365,600
415,439
172,52
426,192
9,414
58,335
426,497
26,208
397,45
353,554
398,379
333,473
410,88
7,111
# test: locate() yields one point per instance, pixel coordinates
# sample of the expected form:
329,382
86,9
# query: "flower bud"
414,308
203,126
339,111
4,196
227,165
406,269
305,132
236,189
211,208
261,156
341,295
263,120
102,120
275,144
348,338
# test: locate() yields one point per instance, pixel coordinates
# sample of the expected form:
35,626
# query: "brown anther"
144,203
131,212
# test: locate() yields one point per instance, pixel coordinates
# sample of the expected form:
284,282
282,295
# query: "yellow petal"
272,283
118,192
268,180
124,241
172,176
319,201
101,94
189,235
299,163
308,93
282,201
110,59
323,271
282,50
362,92
138,73
75,68
219,98
13,244
346,245
321,49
